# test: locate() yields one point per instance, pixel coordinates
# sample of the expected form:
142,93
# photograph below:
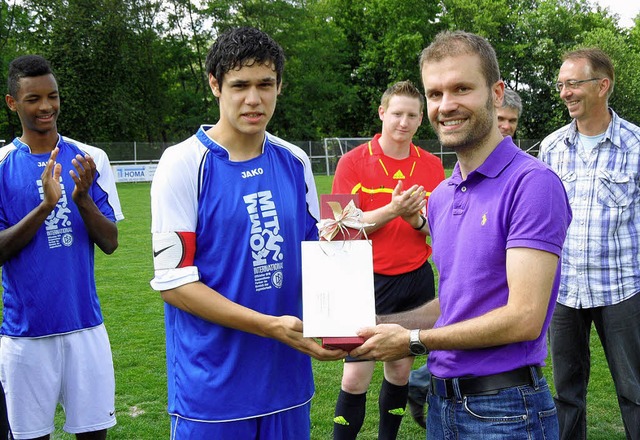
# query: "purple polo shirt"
511,200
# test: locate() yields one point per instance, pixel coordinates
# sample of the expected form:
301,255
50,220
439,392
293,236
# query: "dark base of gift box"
344,343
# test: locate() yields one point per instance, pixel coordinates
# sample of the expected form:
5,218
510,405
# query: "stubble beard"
476,135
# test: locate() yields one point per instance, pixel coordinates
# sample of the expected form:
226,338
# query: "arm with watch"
530,275
416,347
408,342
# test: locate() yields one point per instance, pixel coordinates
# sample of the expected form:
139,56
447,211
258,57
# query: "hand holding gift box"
337,277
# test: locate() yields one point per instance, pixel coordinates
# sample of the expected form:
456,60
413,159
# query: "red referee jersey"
397,247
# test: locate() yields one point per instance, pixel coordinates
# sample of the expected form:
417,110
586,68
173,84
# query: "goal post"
336,147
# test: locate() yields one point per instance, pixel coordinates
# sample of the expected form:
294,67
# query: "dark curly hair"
244,46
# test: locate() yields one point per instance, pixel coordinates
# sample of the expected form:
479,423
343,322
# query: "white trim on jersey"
107,180
312,202
182,195
4,151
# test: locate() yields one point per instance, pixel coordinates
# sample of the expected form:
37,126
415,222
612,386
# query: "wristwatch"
416,347
424,222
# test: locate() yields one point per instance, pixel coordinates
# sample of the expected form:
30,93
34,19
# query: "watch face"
417,348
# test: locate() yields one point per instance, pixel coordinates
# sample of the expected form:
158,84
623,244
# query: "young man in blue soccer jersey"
57,199
230,207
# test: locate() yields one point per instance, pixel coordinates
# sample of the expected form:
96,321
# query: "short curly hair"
24,67
244,46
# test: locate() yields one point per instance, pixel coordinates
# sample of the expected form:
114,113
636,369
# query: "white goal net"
338,146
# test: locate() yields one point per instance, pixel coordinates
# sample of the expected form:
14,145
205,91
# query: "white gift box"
337,290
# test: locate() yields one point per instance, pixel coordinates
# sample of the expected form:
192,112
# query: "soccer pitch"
134,319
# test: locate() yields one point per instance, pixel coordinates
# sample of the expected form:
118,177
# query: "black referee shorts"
399,293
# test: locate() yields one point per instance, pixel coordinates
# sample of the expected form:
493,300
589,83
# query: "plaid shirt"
601,254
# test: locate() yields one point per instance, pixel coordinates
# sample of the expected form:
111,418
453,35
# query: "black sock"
392,403
349,415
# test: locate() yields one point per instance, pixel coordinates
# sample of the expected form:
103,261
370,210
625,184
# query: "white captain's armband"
173,250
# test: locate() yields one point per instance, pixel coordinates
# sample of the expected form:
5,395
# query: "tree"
14,22
134,69
625,56
547,29
384,39
102,54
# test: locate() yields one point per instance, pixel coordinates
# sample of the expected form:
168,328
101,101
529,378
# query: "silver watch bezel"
416,347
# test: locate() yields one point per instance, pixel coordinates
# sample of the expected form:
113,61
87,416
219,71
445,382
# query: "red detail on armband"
188,240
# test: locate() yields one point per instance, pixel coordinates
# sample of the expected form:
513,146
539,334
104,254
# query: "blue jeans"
524,412
618,327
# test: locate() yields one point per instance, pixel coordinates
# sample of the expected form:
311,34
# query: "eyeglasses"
573,84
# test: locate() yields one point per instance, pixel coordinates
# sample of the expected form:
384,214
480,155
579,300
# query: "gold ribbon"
349,217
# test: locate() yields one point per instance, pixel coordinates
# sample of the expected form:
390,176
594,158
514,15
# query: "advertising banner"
134,173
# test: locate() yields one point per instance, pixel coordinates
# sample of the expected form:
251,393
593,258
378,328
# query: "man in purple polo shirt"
497,225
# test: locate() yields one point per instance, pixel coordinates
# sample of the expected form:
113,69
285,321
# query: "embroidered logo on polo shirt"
398,175
484,219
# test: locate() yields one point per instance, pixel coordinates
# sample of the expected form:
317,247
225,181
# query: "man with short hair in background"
509,113
597,156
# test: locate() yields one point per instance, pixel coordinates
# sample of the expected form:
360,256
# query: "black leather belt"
484,384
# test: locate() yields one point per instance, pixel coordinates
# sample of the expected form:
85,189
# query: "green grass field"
134,318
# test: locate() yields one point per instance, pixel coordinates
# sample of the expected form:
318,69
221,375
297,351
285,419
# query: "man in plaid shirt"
597,156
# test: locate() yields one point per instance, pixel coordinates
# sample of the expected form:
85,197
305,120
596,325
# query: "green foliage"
530,37
384,40
134,69
14,23
92,71
626,93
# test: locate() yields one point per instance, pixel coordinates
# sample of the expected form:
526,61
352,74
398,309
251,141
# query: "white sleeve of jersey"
106,179
312,192
174,209
4,151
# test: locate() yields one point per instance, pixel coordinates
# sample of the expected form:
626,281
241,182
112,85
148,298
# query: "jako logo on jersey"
42,164
252,173
265,240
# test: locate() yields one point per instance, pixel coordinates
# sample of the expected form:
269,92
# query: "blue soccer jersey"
49,286
247,220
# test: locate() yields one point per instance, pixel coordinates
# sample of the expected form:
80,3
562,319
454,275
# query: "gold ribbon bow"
349,217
